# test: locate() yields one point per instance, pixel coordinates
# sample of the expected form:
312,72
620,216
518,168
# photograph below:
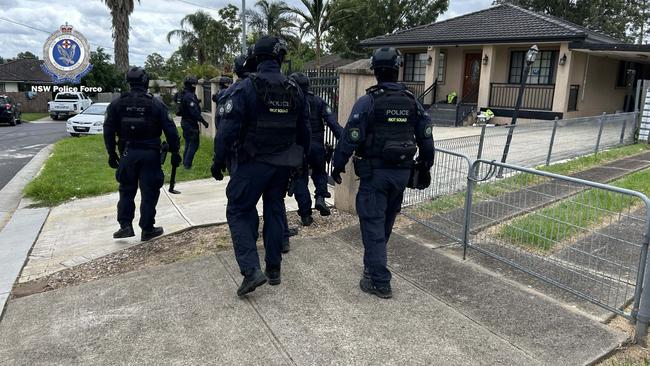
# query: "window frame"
552,73
415,58
442,65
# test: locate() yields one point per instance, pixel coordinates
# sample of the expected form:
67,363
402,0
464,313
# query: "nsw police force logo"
66,56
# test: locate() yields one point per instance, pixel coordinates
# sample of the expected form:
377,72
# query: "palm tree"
120,12
321,15
195,35
275,18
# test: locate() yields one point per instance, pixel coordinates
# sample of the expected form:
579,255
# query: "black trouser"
191,135
316,161
378,202
249,182
139,167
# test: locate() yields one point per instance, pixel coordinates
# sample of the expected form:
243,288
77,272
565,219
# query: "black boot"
252,280
321,206
383,292
293,231
150,234
306,220
273,275
124,232
285,246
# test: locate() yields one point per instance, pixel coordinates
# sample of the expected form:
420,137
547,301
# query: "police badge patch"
355,134
66,56
328,109
428,131
228,106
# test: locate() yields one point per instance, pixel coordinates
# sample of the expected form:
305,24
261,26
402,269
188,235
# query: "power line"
198,5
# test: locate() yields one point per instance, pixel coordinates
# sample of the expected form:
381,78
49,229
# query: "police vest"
275,129
137,121
390,140
315,117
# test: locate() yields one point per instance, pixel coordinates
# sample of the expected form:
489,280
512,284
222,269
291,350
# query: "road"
18,144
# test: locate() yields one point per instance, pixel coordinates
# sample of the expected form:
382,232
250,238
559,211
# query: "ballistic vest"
137,121
275,129
315,117
391,127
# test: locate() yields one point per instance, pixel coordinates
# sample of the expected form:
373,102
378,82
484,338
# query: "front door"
472,77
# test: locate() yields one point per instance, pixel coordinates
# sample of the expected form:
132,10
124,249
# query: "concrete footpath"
187,313
81,230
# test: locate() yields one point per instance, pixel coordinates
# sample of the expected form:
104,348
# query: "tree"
194,35
320,16
104,74
274,18
26,55
155,66
120,12
638,12
379,17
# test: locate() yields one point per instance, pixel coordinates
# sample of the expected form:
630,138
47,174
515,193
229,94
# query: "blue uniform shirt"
356,129
324,111
191,108
240,108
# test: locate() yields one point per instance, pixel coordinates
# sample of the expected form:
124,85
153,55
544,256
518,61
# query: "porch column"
486,76
562,80
431,72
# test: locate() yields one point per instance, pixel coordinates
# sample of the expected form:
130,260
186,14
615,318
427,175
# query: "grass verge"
28,117
542,230
79,168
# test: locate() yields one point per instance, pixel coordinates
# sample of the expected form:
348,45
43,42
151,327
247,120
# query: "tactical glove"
336,175
217,170
176,159
113,160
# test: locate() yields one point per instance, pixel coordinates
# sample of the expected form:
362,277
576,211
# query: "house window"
541,72
415,65
2,87
623,67
442,66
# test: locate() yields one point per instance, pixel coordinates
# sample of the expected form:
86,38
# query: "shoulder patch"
328,109
228,106
355,134
428,131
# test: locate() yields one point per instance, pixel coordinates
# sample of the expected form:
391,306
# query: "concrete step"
547,330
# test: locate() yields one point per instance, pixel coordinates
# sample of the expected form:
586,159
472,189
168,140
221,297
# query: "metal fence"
546,142
588,238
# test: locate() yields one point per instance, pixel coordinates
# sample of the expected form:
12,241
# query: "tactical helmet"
190,80
137,76
224,81
240,61
386,58
270,46
301,79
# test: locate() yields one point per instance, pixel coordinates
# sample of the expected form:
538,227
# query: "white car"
88,122
65,105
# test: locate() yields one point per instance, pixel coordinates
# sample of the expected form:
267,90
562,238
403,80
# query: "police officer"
319,114
224,84
384,131
266,116
190,112
138,119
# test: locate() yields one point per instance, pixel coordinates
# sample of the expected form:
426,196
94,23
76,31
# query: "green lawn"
486,191
79,168
545,228
28,117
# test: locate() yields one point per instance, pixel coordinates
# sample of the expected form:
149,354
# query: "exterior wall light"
486,59
563,60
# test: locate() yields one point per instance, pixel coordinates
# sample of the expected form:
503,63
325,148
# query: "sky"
150,22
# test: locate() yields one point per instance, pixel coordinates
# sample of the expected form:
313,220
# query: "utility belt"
363,168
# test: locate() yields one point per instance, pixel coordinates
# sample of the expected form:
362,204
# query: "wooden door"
472,77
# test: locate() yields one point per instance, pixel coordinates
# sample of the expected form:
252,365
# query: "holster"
362,167
164,149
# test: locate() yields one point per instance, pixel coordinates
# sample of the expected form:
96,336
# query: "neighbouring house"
20,75
480,57
162,86
328,62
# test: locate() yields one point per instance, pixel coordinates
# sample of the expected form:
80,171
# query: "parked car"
88,122
9,111
68,104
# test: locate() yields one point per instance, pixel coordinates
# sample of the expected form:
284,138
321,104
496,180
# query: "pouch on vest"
398,152
362,167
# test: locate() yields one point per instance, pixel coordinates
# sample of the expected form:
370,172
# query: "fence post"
550,146
622,141
641,305
467,222
600,133
481,140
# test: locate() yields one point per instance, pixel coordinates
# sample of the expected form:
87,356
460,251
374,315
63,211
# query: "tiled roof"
24,70
499,24
328,62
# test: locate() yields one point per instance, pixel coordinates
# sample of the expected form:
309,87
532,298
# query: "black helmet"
240,61
301,79
137,76
190,81
224,81
271,47
386,58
